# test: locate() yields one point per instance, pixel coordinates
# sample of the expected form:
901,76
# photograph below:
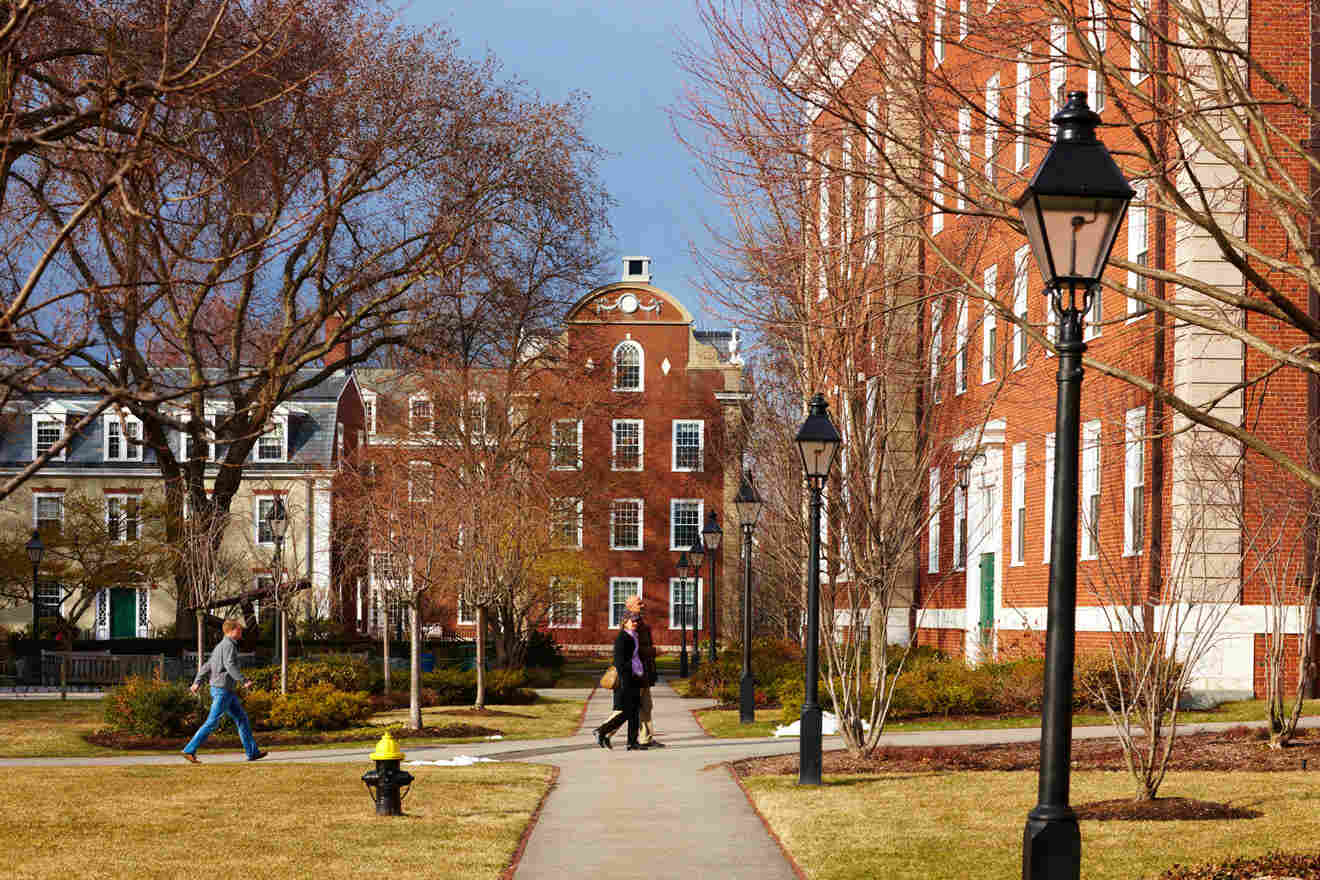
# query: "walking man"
637,605
225,677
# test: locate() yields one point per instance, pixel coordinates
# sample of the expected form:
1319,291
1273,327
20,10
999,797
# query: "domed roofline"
574,313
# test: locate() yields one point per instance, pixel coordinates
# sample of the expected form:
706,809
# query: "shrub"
345,674
543,651
772,659
320,707
1095,680
148,707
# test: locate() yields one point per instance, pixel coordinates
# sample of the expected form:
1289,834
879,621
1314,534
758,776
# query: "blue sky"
622,55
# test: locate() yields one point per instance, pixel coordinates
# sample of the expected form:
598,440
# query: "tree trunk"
415,667
385,643
481,657
200,631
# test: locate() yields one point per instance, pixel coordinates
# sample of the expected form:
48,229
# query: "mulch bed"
115,740
1275,866
484,713
1161,810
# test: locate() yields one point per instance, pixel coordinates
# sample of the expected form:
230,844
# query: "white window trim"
463,428
130,451
416,398
1138,243
960,354
964,152
370,404
701,445
992,88
989,327
1058,69
280,419
871,213
1021,261
256,519
123,498
1138,42
578,458
55,417
208,431
609,599
674,622
960,537
937,32
1022,113
57,495
1095,315
1134,476
937,190
641,444
936,347
641,366
1090,487
560,505
1048,517
1017,536
701,518
933,526
550,612
641,523
465,619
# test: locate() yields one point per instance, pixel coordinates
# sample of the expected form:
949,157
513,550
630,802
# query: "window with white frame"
628,366
626,445
1019,500
566,522
123,437
47,429
421,414
684,522
689,443
626,524
933,523
1095,78
991,125
1095,315
392,572
188,447
369,411
48,512
845,202
271,445
1091,489
823,230
467,612
937,32
684,602
1021,259
1058,72
421,482
959,528
473,421
871,213
1048,518
937,189
122,517
1022,112
362,600
960,343
50,596
565,604
964,153
1139,42
1137,248
936,346
1134,482
265,509
566,444
964,19
621,590
265,603
989,327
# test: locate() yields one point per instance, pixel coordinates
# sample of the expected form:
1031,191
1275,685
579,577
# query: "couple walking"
634,662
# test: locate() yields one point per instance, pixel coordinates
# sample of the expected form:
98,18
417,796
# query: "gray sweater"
222,666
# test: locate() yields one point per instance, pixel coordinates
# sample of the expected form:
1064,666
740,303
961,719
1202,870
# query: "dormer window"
421,419
273,444
628,366
46,432
123,437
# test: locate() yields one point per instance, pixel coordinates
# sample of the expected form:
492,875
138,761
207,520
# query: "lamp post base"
683,663
809,746
1051,845
747,700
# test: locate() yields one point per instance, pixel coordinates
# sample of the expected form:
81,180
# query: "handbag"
609,679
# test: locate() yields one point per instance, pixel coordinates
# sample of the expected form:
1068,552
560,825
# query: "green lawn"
894,827
54,728
724,722
235,822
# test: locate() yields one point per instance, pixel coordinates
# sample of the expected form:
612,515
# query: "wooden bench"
97,667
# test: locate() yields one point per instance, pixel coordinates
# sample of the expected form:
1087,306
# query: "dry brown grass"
45,727
239,822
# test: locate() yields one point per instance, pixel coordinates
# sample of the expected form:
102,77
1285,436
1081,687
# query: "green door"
123,614
987,593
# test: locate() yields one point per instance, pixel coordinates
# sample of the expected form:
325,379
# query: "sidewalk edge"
788,856
516,858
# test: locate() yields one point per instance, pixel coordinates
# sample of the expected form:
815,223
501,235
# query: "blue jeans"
224,702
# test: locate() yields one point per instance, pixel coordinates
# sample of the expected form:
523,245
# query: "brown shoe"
191,758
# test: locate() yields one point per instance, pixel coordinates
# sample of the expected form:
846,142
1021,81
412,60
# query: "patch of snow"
457,761
496,736
829,726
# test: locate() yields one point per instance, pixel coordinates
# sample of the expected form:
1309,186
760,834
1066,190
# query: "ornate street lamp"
748,504
35,550
279,524
697,555
711,536
684,571
818,442
1071,211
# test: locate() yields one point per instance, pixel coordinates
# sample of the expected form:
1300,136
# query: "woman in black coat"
627,686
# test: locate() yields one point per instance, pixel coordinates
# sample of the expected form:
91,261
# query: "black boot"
601,739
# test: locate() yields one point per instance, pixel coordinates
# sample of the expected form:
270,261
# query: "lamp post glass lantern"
711,537
748,504
684,571
818,442
1071,212
697,554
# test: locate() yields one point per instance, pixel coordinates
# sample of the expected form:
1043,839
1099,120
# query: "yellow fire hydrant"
384,783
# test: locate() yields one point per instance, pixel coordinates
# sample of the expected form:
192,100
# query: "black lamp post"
711,536
1072,211
279,524
697,555
35,550
684,571
748,504
818,442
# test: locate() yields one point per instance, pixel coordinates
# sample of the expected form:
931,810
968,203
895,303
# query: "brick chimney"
343,348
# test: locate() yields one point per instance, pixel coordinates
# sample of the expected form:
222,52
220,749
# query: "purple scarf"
637,668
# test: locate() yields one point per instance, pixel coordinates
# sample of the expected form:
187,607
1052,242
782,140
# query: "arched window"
628,367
